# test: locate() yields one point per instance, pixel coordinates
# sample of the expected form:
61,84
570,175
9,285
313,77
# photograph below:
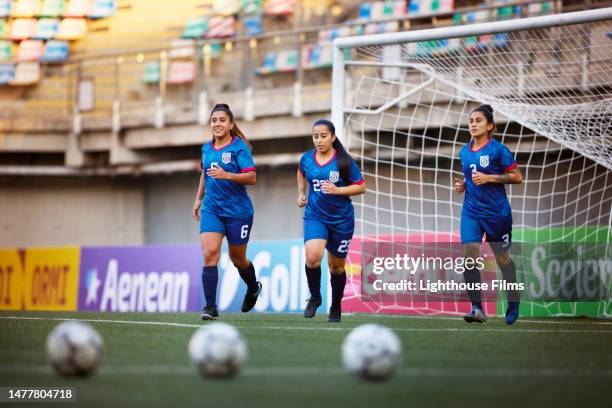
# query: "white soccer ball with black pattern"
218,350
372,352
74,348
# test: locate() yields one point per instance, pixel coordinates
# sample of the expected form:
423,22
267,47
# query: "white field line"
316,371
473,328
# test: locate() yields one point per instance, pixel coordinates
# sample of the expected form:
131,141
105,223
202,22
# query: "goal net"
402,101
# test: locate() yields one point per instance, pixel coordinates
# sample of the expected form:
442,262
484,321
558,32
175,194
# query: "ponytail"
342,156
235,131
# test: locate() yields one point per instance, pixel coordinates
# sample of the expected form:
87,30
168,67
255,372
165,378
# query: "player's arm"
247,178
513,176
301,185
354,189
198,200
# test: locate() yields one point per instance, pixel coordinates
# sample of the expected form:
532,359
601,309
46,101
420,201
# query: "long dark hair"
235,131
342,156
487,111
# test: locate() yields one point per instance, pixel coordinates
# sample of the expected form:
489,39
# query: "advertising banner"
11,279
51,278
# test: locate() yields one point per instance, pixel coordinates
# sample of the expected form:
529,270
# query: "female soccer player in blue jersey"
329,218
487,165
227,168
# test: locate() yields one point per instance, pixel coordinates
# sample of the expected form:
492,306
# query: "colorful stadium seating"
55,51
78,8
3,29
195,28
26,8
30,50
6,51
151,73
26,73
52,8
221,27
181,72
7,73
102,9
47,28
5,8
72,29
279,7
253,25
250,7
23,28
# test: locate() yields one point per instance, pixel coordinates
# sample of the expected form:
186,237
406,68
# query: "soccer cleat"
209,313
512,313
335,315
311,307
250,299
476,315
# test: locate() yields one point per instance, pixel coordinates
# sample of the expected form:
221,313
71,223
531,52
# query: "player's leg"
471,237
315,238
499,236
238,231
337,251
211,236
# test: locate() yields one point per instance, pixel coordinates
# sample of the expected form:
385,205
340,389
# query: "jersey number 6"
244,231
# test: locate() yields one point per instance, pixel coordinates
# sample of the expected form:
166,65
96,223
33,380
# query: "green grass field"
294,362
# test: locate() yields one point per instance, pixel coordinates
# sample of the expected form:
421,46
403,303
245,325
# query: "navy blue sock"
338,282
313,276
472,275
210,277
509,274
248,276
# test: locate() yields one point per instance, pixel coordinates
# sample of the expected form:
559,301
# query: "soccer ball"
74,348
372,352
218,350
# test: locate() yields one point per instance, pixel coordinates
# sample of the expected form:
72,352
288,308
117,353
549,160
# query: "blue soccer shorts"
338,238
498,230
237,230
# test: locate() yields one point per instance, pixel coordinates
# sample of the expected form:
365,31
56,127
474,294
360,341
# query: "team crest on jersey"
226,157
484,161
334,176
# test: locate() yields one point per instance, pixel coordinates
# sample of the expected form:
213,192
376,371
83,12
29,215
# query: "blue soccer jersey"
225,198
488,199
333,210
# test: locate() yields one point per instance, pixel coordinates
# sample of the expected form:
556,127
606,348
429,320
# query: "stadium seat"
47,28
253,25
3,29
78,8
72,29
5,8
181,48
55,51
7,73
269,64
30,50
52,8
195,28
221,27
26,73
287,61
26,8
102,9
279,7
150,74
181,72
6,51
23,28
250,7
364,11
